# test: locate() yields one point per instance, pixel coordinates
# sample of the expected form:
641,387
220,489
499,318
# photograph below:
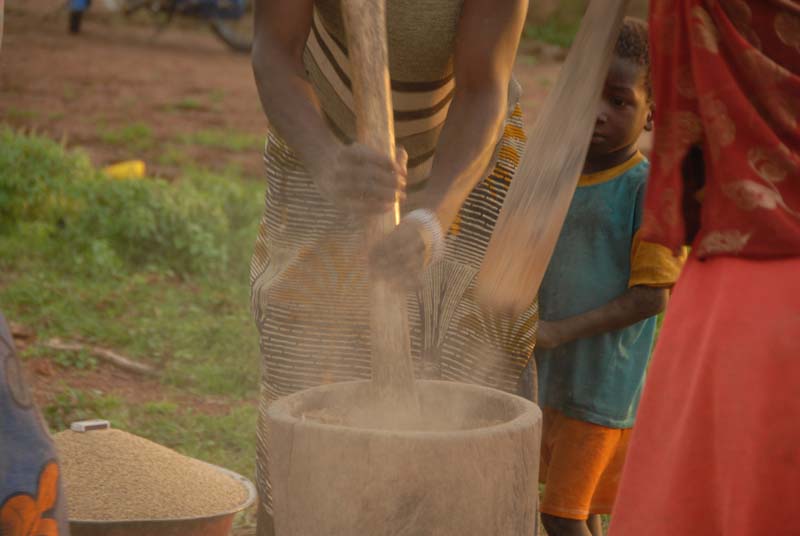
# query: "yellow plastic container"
129,169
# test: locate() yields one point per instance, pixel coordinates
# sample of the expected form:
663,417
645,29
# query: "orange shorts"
581,465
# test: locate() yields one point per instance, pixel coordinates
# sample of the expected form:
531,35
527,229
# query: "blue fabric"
230,9
79,5
25,444
597,379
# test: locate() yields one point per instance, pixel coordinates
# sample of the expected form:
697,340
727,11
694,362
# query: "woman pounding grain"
717,445
456,116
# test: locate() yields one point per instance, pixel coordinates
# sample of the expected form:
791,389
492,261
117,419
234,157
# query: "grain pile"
112,475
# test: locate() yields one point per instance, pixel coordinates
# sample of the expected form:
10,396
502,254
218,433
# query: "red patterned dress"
716,450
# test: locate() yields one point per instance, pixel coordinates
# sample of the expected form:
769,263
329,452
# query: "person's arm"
355,177
635,305
486,44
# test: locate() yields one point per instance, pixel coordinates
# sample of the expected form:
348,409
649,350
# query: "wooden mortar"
336,479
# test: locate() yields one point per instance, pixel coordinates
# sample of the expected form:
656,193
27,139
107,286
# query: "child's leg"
561,526
578,456
595,524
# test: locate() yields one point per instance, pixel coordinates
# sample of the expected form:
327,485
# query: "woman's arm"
486,44
355,177
635,305
290,103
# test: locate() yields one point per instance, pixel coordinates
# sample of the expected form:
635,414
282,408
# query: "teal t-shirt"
597,379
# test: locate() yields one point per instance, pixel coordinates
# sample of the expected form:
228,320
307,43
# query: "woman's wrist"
433,201
431,231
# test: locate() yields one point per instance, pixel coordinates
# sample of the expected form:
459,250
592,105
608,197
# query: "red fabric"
716,445
726,77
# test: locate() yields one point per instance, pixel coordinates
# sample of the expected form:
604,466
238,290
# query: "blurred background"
130,195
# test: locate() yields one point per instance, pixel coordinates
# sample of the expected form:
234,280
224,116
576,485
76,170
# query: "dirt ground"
78,88
117,73
49,378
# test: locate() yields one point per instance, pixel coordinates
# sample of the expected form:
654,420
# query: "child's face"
624,109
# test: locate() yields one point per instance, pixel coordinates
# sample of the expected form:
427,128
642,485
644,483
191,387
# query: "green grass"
227,440
174,155
157,271
210,102
70,92
188,104
20,114
561,26
135,136
198,331
229,140
217,96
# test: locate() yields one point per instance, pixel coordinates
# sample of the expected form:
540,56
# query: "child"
598,303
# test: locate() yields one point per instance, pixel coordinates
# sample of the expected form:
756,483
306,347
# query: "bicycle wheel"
230,33
237,33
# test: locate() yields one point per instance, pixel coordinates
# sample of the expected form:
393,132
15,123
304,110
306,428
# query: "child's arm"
636,304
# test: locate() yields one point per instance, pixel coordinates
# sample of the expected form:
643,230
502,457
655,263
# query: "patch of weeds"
227,440
71,405
19,114
230,140
163,408
188,104
157,271
216,96
554,33
560,28
69,92
135,136
200,332
173,155
56,116
105,262
80,360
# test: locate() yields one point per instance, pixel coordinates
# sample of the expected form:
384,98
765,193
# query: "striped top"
421,37
308,271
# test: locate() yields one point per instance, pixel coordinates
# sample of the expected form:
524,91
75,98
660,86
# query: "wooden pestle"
365,24
540,194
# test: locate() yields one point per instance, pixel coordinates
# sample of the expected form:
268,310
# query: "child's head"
627,102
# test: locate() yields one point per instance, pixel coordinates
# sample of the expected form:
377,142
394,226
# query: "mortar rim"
529,413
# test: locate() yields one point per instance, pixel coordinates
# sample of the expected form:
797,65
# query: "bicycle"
230,20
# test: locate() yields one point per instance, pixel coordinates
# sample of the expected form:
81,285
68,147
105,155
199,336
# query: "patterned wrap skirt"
310,295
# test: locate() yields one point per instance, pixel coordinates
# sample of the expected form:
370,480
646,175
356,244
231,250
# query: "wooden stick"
109,356
536,204
365,22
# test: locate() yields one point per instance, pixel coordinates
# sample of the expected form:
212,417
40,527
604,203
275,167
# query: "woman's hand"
362,181
402,255
548,335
